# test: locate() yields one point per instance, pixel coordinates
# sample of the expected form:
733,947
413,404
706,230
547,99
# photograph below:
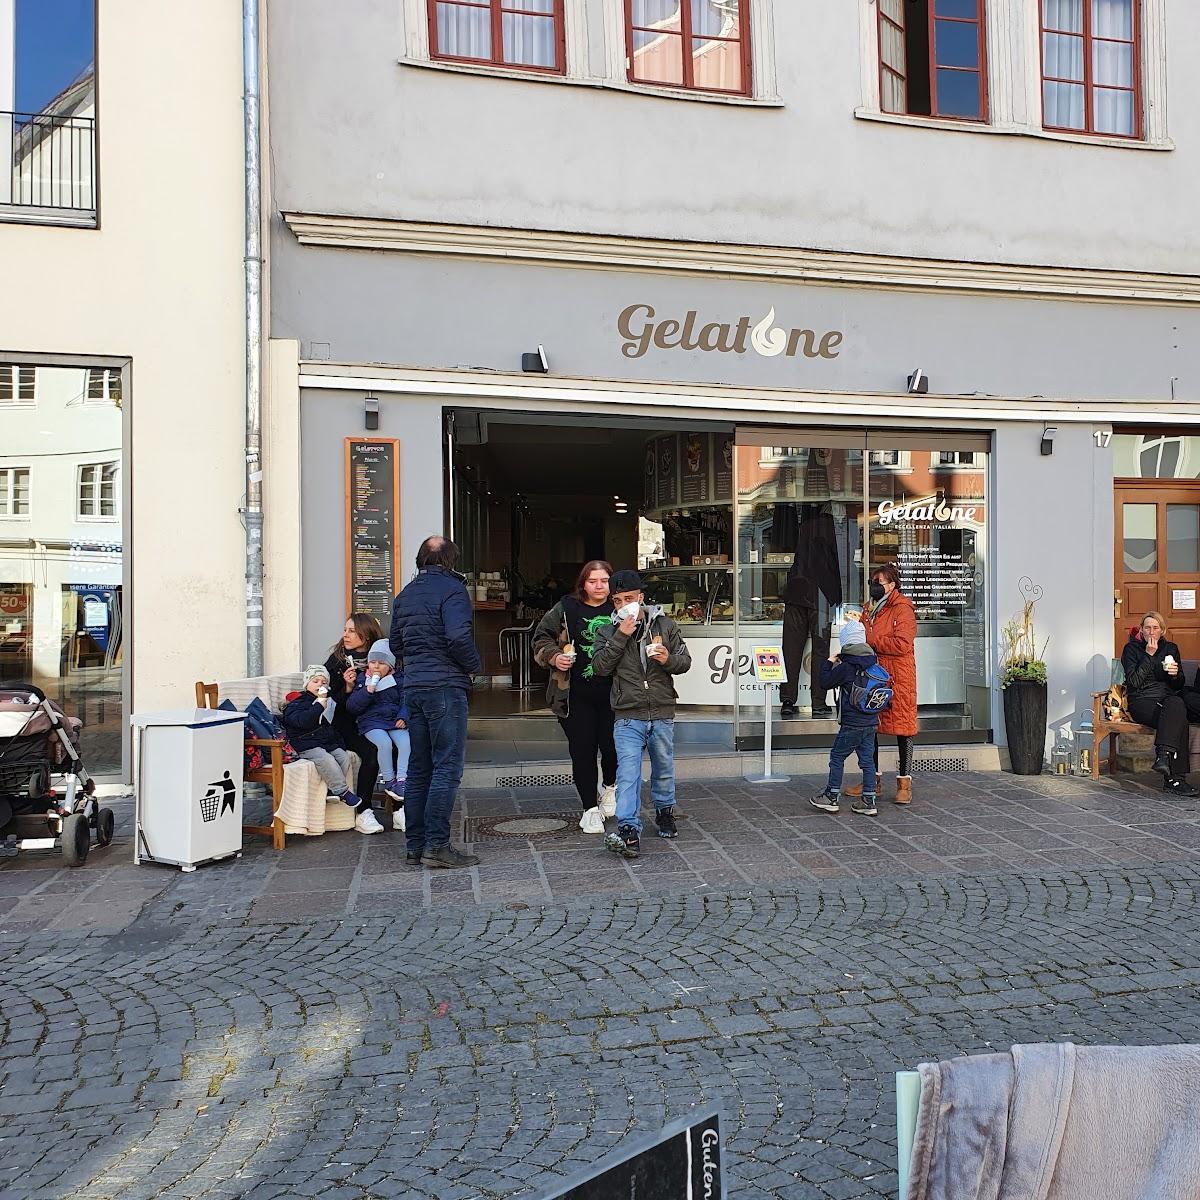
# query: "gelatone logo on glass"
641,326
937,512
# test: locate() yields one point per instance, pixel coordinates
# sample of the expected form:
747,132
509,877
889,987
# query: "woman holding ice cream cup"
563,643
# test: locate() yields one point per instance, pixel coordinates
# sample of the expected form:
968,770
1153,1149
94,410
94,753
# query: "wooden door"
1158,559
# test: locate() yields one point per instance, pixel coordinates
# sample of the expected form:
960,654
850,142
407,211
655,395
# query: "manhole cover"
536,826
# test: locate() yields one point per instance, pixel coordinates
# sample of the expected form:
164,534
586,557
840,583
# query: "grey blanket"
1060,1122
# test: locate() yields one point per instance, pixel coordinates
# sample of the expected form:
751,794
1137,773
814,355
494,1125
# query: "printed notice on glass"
1183,599
372,525
937,581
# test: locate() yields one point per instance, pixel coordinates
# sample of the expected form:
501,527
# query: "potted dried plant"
1023,681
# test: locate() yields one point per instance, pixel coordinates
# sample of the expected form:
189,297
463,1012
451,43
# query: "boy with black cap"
641,650
846,670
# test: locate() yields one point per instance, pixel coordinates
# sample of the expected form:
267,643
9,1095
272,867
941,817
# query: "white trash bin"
187,774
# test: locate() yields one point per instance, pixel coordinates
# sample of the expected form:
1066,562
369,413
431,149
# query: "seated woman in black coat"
1154,688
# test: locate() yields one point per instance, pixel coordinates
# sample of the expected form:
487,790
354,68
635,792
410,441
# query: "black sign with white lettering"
372,519
681,1162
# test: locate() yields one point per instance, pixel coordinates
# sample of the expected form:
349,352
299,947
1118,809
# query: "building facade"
121,330
760,294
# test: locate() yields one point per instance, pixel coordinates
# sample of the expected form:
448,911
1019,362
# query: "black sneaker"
1179,788
624,842
825,802
821,710
788,711
1162,762
413,858
864,805
447,856
664,818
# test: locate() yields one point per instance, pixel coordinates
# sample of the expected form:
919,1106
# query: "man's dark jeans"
437,728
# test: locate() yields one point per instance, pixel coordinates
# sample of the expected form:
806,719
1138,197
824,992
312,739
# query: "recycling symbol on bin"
223,790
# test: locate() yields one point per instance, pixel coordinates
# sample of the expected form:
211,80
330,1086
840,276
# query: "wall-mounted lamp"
918,383
1047,445
371,412
536,362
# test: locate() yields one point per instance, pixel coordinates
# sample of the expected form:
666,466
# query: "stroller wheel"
105,824
39,783
76,840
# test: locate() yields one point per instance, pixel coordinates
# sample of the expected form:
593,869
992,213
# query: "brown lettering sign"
640,330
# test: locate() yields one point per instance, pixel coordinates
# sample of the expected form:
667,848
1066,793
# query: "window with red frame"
1090,66
932,58
525,34
703,45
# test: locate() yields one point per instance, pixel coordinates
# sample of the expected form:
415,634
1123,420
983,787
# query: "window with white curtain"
1090,66
701,45
525,34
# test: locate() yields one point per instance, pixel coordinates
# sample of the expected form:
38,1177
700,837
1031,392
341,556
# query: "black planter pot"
1025,724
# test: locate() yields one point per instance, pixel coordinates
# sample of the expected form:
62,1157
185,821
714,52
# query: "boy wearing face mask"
641,650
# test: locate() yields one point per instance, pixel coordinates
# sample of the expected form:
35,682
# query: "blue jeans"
848,740
632,738
437,727
389,743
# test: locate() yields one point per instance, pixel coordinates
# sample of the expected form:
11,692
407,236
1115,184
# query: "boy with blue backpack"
865,692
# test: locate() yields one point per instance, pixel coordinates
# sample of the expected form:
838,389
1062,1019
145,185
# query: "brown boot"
903,789
855,790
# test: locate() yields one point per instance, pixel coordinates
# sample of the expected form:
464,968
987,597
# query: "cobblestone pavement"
185,1042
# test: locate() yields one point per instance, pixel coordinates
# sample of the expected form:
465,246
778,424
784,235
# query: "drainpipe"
253,510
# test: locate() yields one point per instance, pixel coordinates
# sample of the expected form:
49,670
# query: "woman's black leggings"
904,743
1169,717
589,729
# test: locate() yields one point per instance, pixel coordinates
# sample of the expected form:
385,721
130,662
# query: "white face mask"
632,609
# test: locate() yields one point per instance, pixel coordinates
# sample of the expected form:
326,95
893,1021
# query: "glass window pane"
958,94
530,41
1183,538
1062,56
1112,64
715,18
464,32
891,43
1112,19
1139,538
893,9
956,44
658,57
1066,15
894,97
658,14
1113,112
541,6
1063,105
956,8
717,65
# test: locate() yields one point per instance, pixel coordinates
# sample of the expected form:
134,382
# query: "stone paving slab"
329,1023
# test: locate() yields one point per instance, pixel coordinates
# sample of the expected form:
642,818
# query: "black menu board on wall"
372,525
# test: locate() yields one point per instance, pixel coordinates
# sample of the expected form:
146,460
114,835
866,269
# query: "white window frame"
1014,83
14,371
7,489
98,491
902,465
594,31
971,464
107,375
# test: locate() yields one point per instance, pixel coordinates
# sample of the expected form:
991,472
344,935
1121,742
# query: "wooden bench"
1104,729
270,773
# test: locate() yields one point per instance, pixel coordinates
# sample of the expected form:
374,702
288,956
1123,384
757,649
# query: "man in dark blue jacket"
432,635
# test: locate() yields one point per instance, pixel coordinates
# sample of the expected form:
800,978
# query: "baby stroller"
37,742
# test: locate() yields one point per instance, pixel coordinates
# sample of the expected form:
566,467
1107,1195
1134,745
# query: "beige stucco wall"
161,282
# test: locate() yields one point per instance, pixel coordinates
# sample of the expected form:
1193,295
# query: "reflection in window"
931,58
1139,542
1183,538
98,491
18,385
1156,456
697,44
104,385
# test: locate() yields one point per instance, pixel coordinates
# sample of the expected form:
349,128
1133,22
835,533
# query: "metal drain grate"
561,779
938,765
526,826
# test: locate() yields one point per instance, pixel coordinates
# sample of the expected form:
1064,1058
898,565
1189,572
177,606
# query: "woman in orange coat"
891,623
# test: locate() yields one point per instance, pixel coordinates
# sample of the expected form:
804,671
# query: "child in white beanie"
309,723
377,702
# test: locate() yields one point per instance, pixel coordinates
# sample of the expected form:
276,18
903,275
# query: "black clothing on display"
813,588
589,727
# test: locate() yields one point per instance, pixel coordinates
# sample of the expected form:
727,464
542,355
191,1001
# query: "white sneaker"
607,801
398,819
592,821
365,822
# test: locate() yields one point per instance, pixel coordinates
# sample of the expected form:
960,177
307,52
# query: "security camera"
918,382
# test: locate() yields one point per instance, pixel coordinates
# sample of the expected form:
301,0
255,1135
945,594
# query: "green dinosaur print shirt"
584,622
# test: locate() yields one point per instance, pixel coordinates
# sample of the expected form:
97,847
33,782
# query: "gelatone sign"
641,327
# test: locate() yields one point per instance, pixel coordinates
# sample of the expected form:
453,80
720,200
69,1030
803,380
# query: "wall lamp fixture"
536,361
371,412
1047,445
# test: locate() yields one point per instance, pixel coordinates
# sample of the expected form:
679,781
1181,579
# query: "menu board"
372,525
666,451
696,467
723,473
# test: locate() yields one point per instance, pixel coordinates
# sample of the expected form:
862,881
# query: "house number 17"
1103,437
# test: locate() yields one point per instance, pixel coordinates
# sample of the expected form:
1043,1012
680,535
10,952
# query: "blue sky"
54,44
